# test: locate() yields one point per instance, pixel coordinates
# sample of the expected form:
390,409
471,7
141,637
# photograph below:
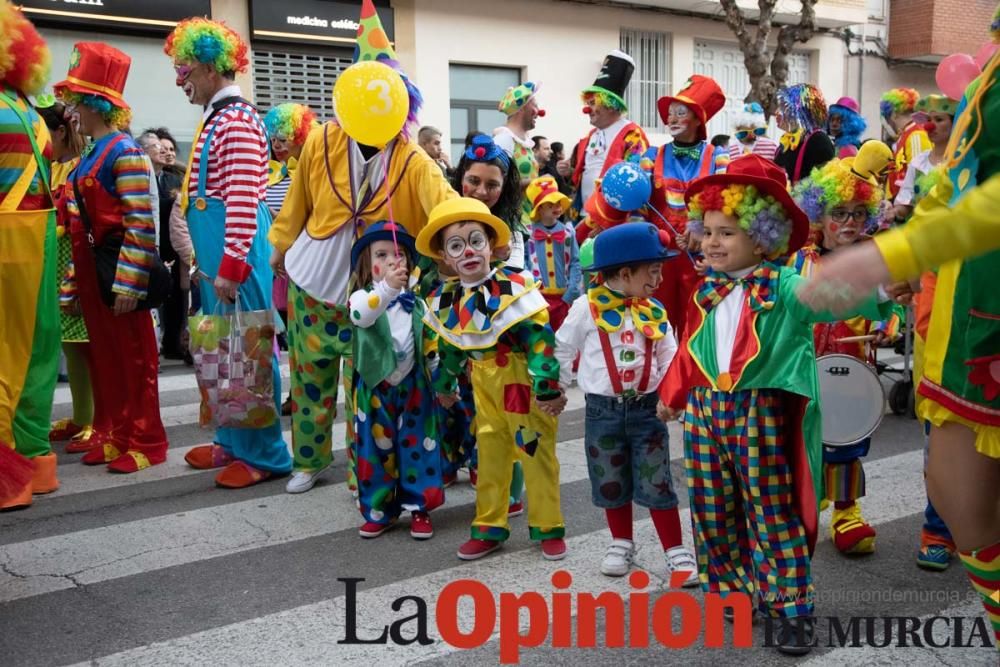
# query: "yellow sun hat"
459,209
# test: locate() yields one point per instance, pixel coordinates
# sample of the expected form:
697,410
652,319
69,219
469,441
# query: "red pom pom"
586,110
541,113
480,152
664,237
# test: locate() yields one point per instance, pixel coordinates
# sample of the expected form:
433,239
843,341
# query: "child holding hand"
398,460
626,344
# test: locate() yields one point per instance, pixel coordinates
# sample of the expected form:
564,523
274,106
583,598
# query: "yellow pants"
510,427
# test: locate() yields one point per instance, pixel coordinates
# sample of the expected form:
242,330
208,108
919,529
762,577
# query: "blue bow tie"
406,300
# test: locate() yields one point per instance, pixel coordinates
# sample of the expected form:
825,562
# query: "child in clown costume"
494,321
840,198
29,325
397,454
553,254
956,229
746,381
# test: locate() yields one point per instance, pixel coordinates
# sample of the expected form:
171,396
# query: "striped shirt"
237,174
16,153
124,175
765,147
276,194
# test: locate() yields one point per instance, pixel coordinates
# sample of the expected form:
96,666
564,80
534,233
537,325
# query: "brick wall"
938,27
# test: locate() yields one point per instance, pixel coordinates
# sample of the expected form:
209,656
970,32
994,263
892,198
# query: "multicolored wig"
290,122
852,126
803,106
898,100
832,185
205,41
761,216
112,115
605,100
25,60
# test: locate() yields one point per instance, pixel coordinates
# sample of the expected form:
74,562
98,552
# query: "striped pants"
747,534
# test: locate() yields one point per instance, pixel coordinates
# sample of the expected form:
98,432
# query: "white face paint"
678,119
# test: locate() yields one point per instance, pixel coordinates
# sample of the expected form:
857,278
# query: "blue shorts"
628,454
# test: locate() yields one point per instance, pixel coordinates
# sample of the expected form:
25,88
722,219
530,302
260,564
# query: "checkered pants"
748,537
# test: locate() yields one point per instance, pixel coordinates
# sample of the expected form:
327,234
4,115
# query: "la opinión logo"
550,617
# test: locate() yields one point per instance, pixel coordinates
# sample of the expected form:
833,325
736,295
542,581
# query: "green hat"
937,104
517,96
372,41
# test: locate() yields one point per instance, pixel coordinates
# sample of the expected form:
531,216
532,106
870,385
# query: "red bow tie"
557,236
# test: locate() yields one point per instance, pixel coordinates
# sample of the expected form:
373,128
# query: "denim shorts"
628,454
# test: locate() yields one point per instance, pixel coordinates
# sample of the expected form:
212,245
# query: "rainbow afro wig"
290,122
761,216
898,100
204,41
803,106
606,100
835,184
25,60
113,115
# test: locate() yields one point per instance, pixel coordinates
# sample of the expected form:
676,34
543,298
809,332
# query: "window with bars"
305,78
651,79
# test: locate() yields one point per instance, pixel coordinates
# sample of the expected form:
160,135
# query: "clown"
493,322
804,146
840,199
674,167
553,254
287,125
956,229
222,199
613,139
845,124
897,107
750,134
29,328
341,187
520,105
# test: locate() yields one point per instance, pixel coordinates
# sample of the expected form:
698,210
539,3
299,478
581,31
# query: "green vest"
374,356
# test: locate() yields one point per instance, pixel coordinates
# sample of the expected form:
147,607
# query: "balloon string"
388,198
676,235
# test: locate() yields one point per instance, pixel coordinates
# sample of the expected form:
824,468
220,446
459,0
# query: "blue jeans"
628,454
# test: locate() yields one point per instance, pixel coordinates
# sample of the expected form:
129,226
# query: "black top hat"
616,72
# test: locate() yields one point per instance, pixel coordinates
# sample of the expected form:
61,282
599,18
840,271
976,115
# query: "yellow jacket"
320,195
937,234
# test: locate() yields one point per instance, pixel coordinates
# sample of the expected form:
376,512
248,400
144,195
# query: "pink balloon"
986,52
955,73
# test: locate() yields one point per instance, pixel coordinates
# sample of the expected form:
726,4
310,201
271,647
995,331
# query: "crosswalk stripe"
118,550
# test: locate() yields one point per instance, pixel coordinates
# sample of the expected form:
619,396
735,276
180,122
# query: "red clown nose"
929,127
587,110
541,113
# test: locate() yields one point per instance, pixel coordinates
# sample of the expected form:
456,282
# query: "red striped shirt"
237,174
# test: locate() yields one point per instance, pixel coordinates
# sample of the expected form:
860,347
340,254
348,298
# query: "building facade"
465,53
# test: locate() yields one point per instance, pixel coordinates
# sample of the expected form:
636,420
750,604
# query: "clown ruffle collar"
473,318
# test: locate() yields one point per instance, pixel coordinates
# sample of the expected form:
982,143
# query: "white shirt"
321,267
919,166
579,333
504,137
228,91
727,321
366,307
596,154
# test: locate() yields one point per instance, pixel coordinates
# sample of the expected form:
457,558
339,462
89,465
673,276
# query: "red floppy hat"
702,95
96,68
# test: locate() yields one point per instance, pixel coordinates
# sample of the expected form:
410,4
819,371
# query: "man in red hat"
222,198
675,166
29,325
613,138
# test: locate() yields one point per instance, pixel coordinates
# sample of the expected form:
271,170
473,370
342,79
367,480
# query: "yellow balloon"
371,103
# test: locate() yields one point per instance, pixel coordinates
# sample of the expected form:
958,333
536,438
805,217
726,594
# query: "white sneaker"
618,558
304,480
681,559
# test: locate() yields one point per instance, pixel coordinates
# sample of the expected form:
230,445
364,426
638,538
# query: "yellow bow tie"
608,308
790,140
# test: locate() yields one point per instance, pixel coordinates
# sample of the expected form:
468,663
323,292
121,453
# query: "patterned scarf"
758,284
608,308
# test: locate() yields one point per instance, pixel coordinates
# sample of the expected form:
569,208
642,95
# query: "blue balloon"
626,187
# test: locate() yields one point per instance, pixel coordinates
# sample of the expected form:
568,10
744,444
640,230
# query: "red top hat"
97,69
769,179
702,95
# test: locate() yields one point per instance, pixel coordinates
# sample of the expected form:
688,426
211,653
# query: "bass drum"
851,399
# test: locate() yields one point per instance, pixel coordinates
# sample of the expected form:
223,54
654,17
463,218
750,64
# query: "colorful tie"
558,236
690,152
608,308
716,286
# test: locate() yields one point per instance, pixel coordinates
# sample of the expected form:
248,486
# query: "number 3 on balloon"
382,86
